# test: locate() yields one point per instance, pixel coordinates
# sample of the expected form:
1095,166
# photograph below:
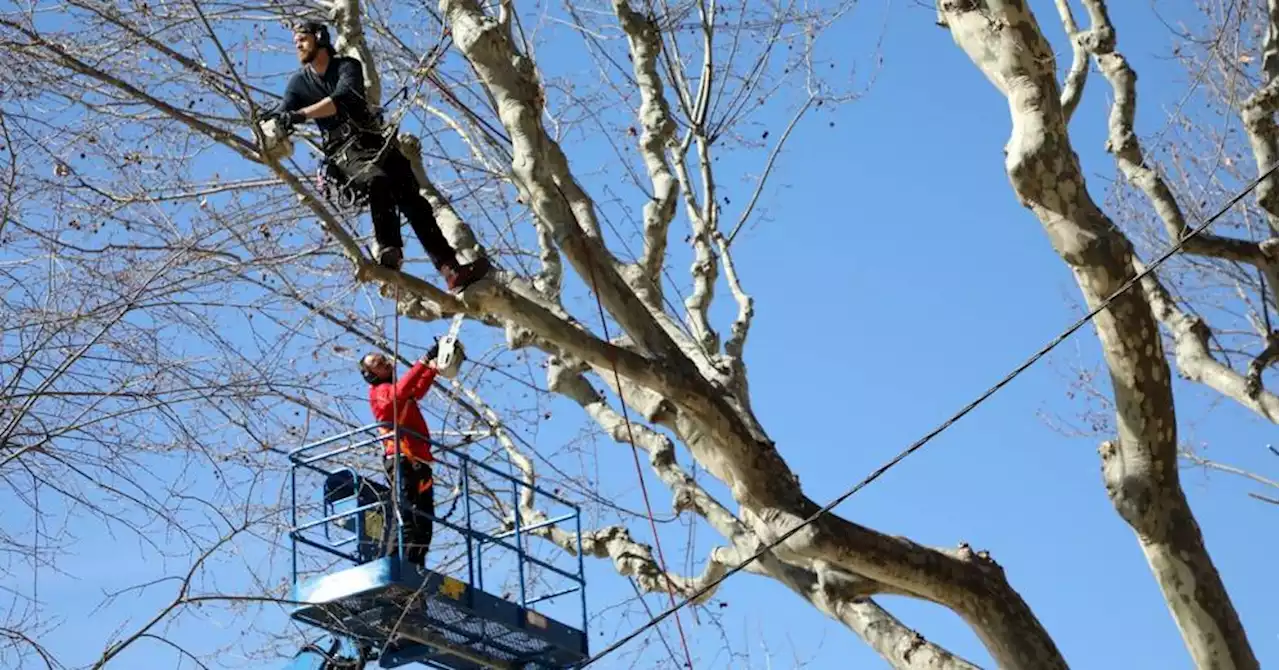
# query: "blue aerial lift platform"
441,616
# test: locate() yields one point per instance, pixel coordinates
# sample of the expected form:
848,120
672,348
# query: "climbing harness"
353,152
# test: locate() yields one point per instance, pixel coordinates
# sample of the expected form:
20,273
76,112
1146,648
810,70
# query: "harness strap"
391,442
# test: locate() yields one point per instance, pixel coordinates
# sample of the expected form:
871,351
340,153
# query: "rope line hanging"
1174,248
395,421
390,131
435,53
635,451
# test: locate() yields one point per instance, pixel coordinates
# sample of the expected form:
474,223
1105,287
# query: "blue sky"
894,216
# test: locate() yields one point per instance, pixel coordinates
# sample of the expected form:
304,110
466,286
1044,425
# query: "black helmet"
369,376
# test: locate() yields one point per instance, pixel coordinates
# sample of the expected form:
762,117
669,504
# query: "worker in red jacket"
385,398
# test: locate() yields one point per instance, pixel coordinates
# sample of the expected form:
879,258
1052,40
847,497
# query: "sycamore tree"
185,304
1140,462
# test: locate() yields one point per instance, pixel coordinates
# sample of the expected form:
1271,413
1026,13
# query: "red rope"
635,455
395,426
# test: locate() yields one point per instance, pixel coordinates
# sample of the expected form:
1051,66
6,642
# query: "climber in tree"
330,89
386,397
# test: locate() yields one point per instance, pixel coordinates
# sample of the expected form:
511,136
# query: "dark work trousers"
418,487
374,164
397,189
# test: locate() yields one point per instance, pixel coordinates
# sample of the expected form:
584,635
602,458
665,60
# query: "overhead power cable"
1177,246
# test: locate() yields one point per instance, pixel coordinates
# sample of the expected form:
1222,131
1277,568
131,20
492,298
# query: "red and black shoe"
460,277
391,258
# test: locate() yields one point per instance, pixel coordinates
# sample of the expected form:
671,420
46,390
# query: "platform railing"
316,455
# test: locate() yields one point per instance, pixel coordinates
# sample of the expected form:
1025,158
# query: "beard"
308,55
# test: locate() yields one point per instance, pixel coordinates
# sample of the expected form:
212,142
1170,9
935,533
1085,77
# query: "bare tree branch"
1264,360
1073,86
656,138
275,309
897,644
543,172
1204,462
1122,142
350,42
1258,114
230,140
735,346
1195,360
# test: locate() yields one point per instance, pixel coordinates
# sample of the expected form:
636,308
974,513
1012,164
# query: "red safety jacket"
405,394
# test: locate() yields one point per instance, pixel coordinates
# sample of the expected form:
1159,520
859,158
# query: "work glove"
433,352
287,120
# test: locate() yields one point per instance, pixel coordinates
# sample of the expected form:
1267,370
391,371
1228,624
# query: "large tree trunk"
1003,39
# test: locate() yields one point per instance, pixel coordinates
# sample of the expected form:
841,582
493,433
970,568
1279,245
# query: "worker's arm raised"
415,383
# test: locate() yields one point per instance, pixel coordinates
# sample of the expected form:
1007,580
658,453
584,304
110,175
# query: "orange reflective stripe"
390,443
407,454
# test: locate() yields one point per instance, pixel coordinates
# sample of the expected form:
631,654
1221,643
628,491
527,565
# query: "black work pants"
375,164
417,485
397,189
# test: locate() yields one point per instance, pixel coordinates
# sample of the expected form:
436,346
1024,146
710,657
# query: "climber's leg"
386,223
417,209
422,218
356,155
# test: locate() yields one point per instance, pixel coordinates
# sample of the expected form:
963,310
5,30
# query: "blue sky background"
896,279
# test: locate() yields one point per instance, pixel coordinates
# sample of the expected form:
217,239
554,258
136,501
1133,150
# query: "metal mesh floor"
423,626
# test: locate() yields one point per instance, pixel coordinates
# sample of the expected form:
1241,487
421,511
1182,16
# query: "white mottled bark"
736,345
542,171
630,557
1122,142
1191,351
1258,114
1004,41
349,41
656,136
702,223
704,269
684,384
1259,120
719,429
459,234
1073,86
832,592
